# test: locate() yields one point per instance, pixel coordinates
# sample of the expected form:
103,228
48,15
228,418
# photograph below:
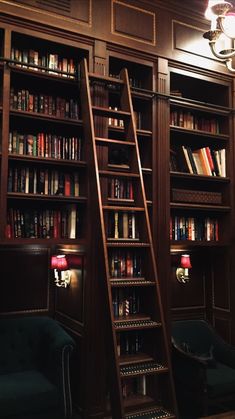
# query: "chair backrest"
195,334
21,343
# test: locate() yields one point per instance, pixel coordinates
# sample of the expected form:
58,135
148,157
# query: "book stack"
125,264
134,386
122,226
193,121
202,161
43,224
49,61
45,145
120,189
125,304
129,343
194,228
24,100
29,180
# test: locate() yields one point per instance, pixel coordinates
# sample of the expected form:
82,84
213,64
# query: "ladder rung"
101,111
152,413
121,200
142,368
119,208
135,324
105,79
144,132
114,173
107,141
127,244
127,282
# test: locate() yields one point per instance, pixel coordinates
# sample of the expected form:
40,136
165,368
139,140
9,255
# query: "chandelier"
222,31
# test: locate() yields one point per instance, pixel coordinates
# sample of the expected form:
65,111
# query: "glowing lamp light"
182,273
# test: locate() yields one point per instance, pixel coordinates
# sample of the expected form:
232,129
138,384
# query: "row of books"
133,386
122,225
116,122
201,161
194,228
42,181
43,224
24,100
125,264
45,145
49,61
129,343
125,303
190,120
120,188
134,82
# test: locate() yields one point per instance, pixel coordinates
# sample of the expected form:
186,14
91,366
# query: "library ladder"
141,384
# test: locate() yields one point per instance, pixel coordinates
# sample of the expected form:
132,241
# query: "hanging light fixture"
222,30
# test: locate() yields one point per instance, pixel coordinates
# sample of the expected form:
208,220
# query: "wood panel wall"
159,32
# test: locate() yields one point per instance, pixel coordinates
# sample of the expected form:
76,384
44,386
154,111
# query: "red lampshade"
185,262
59,262
53,262
64,262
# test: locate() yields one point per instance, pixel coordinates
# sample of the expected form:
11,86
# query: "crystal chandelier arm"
229,65
218,55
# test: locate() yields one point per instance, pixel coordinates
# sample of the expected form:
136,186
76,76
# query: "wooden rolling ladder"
142,385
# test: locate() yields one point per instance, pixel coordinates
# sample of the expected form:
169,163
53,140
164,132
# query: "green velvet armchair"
34,369
203,367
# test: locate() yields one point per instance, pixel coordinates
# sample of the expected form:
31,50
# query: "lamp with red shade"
182,273
62,265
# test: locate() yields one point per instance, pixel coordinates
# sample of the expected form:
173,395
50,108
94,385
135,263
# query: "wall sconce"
222,26
62,265
182,273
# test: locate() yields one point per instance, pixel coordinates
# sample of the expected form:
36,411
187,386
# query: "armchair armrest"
223,351
57,348
188,369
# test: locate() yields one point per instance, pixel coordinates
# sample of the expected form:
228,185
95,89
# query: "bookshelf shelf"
135,358
183,245
48,241
196,133
200,207
207,108
195,177
41,73
44,197
48,161
44,117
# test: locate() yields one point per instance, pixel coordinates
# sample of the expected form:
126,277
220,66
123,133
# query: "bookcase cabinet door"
201,178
